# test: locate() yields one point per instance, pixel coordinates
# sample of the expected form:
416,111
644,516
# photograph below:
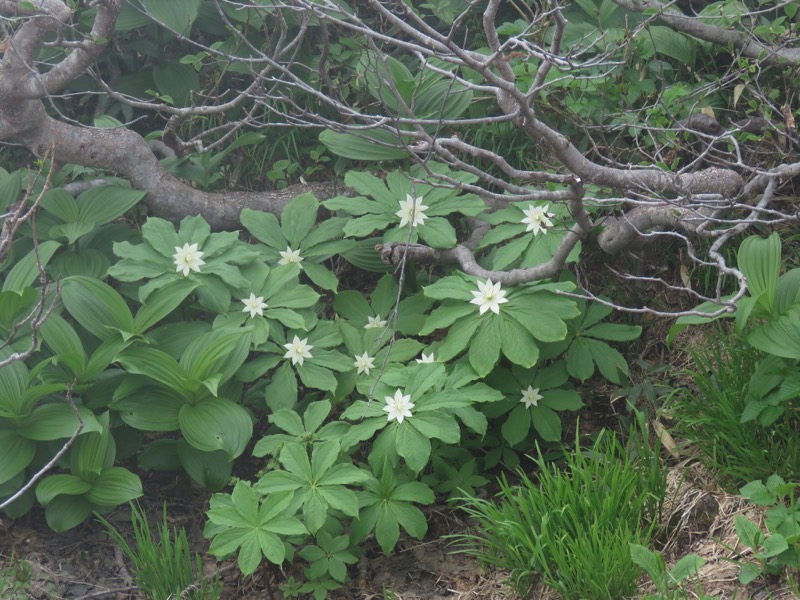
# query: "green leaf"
26,269
281,391
760,261
437,425
56,421
387,531
317,377
14,304
547,423
115,486
56,485
298,218
158,366
103,204
649,561
579,360
151,409
517,425
321,276
610,362
66,512
483,356
376,145
212,470
774,545
458,337
18,452
177,81
219,352
614,332
159,455
264,227
437,232
288,420
97,307
93,452
216,424
517,343
779,336
411,518
162,302
686,567
176,16
10,188
749,573
13,381
748,532
413,446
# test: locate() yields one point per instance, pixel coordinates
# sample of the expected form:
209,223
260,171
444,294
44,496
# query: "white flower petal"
255,305
188,258
298,350
489,297
412,211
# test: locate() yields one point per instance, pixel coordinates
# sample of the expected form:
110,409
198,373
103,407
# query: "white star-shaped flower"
375,323
364,363
398,406
290,256
538,218
298,350
255,305
426,358
188,258
412,211
531,397
489,297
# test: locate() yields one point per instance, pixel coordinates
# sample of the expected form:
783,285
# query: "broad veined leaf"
26,270
115,486
151,409
162,302
212,470
55,421
158,366
97,307
102,204
18,452
375,145
216,424
760,261
779,336
56,485
65,512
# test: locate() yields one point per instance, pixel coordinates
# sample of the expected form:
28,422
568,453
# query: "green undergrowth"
567,521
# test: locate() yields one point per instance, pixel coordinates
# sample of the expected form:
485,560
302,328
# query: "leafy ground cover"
700,515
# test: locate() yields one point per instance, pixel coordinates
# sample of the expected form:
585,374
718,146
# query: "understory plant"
181,345
669,583
161,562
780,548
754,378
571,526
